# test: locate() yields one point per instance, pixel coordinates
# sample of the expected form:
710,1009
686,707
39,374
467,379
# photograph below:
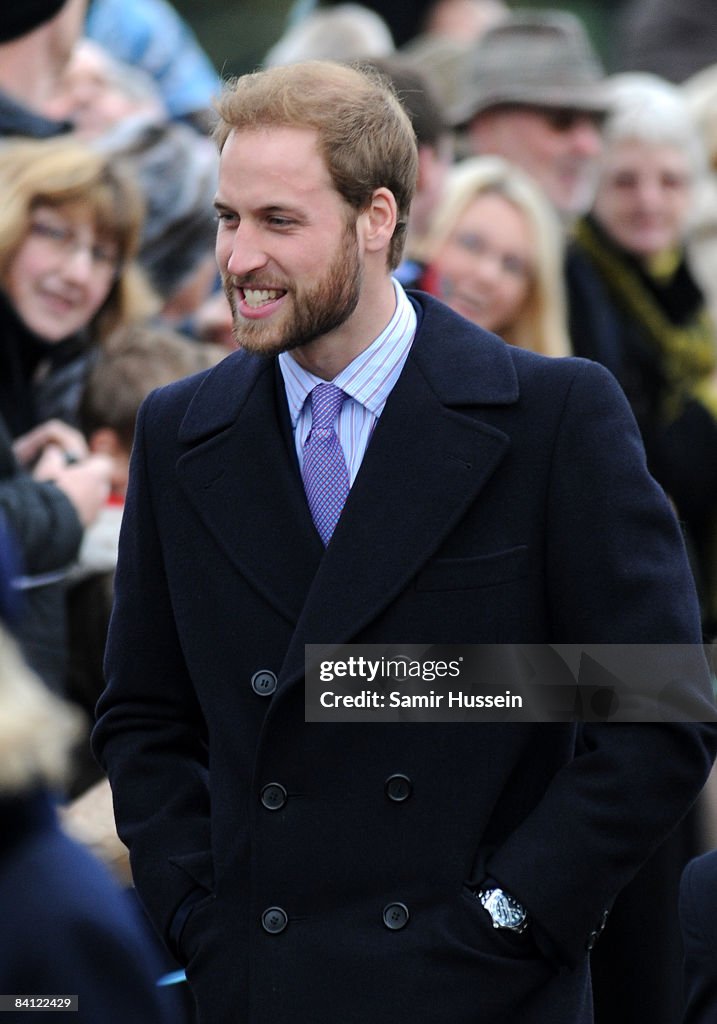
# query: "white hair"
648,108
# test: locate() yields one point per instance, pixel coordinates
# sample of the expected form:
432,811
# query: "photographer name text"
397,699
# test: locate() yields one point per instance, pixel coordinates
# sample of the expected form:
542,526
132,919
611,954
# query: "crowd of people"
568,211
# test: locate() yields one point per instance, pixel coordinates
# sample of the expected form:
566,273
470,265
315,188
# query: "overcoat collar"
427,461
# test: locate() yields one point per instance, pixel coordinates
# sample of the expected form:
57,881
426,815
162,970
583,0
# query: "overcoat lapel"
242,477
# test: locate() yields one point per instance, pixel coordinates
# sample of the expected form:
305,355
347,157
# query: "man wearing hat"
36,39
533,92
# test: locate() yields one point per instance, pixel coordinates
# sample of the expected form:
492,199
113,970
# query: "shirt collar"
368,378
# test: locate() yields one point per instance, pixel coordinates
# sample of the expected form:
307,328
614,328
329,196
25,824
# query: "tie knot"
326,401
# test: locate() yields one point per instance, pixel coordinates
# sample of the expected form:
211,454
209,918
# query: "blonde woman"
493,252
70,224
69,227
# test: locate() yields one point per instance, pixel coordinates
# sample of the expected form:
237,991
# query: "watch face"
506,912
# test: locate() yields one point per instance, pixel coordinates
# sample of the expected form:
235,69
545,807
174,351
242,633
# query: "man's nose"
586,137
246,253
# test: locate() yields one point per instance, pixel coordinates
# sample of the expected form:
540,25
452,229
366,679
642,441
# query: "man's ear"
378,221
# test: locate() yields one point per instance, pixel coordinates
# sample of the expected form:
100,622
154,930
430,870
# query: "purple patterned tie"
326,479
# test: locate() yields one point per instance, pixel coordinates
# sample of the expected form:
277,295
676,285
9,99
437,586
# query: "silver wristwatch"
505,910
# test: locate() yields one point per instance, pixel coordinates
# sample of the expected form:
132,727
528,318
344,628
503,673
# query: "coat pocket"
198,865
475,572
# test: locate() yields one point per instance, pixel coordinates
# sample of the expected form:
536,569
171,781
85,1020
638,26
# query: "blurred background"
237,33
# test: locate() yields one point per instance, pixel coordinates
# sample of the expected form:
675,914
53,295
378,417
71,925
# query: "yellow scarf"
687,353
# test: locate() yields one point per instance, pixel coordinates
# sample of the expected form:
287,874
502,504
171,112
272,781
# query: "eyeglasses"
565,119
66,241
561,119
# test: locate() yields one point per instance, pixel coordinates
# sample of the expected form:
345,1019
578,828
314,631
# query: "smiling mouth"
255,297
471,302
59,302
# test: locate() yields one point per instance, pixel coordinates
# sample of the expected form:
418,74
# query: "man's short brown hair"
365,136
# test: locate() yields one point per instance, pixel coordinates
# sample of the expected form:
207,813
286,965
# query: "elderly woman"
637,308
69,230
493,253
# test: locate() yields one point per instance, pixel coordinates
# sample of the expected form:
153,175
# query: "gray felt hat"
534,59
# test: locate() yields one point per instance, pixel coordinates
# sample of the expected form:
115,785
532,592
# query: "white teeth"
255,297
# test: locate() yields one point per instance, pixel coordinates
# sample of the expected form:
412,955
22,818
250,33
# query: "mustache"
253,281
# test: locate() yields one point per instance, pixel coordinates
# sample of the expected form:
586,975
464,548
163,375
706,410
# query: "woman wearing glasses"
69,230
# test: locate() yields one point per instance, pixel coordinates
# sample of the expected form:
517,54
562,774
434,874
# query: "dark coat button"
274,920
398,787
263,682
273,796
395,916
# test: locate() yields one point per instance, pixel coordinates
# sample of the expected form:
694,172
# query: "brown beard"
317,311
